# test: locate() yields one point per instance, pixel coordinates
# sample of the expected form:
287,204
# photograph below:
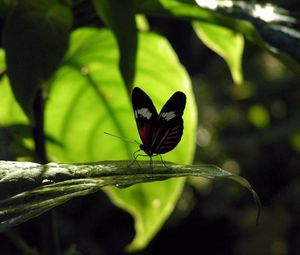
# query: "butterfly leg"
151,163
135,156
162,161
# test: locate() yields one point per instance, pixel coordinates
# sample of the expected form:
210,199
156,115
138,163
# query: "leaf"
10,111
270,27
12,119
225,42
119,16
88,98
31,189
11,115
35,39
243,182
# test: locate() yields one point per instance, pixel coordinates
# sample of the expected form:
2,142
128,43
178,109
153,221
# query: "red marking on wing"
166,137
146,134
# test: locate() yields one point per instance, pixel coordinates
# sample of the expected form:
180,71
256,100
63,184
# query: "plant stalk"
48,226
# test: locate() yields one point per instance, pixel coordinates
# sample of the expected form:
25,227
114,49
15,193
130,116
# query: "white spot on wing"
168,115
143,112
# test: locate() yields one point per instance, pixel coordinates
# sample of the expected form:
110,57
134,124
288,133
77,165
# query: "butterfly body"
160,133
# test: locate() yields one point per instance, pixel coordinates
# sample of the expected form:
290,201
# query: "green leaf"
10,111
29,189
119,16
225,42
243,182
35,39
270,27
2,63
88,98
13,119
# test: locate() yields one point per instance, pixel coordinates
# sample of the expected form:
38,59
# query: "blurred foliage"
252,130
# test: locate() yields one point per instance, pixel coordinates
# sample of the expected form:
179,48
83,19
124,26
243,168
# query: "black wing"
169,126
145,115
175,104
166,138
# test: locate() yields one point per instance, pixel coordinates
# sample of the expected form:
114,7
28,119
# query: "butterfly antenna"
122,138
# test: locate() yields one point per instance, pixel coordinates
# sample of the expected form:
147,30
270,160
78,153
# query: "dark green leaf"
35,39
119,16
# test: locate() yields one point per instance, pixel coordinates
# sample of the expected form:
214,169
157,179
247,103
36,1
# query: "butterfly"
160,133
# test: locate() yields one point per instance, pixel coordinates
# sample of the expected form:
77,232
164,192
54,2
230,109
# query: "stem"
38,131
48,226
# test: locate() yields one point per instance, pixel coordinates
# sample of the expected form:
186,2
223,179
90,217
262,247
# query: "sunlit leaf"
88,98
10,111
225,42
13,118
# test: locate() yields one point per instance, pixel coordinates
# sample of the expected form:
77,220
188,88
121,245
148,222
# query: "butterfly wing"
166,138
175,104
168,129
145,115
